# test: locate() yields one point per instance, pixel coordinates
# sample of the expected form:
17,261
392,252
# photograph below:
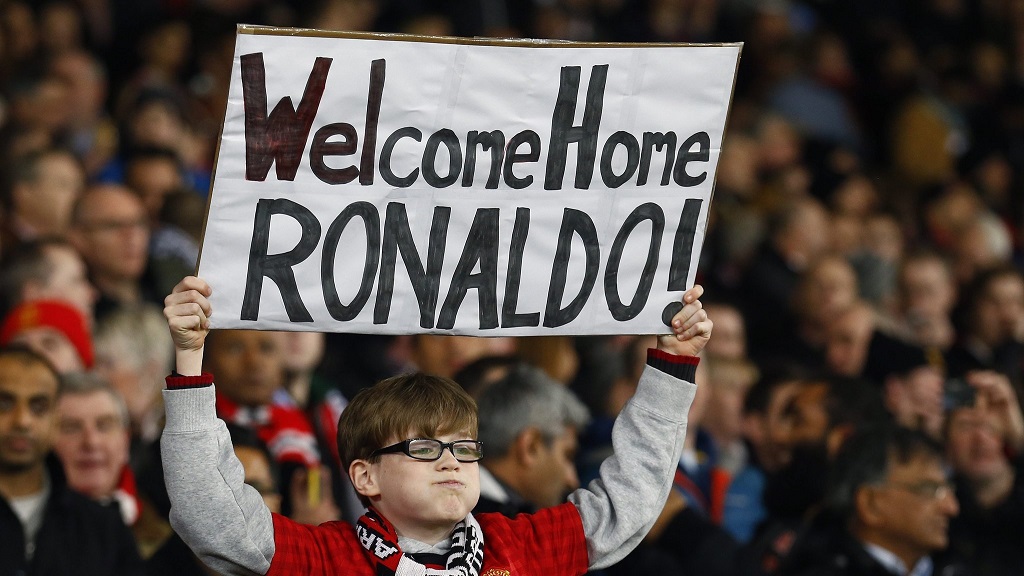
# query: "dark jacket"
78,537
991,538
512,507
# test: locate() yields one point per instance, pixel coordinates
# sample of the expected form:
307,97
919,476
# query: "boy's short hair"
420,404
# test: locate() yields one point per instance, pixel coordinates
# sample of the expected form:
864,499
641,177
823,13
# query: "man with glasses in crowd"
887,510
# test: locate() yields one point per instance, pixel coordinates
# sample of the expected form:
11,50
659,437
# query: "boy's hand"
188,310
691,327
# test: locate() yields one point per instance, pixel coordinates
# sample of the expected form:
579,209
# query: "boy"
410,450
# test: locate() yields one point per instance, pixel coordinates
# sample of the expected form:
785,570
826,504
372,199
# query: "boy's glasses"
429,450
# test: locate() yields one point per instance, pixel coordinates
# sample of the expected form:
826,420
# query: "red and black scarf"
379,538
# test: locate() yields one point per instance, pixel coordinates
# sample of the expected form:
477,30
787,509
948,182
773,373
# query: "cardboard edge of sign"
477,41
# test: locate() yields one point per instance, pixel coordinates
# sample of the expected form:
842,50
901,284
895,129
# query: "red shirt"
548,543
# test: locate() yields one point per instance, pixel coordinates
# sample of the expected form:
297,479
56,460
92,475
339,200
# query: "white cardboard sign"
393,185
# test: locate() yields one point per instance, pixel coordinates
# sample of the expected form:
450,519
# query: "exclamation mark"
682,248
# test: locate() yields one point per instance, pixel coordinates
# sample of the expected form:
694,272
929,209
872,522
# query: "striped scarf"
380,540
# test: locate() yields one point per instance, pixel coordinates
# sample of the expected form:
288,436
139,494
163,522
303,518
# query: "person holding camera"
985,448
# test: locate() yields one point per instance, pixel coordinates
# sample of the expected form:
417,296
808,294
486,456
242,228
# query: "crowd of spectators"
859,403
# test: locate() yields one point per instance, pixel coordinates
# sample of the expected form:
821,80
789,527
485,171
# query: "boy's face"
424,500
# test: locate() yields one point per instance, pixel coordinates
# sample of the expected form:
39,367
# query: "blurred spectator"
445,355
54,329
729,380
60,27
911,383
208,86
19,28
111,232
991,326
44,186
850,331
302,354
928,136
355,361
855,196
92,443
483,372
826,287
90,132
358,15
813,106
157,118
46,269
990,484
730,339
984,244
307,389
153,173
735,227
250,370
529,424
185,210
555,355
779,147
928,293
48,528
134,353
741,479
765,422
877,263
847,235
888,509
164,50
822,414
36,106
911,380
797,237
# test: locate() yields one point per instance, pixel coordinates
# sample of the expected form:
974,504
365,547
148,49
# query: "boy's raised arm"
619,508
188,311
222,519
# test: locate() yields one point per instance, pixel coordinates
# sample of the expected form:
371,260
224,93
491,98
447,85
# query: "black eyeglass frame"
403,448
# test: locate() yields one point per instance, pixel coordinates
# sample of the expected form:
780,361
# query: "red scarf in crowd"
286,431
